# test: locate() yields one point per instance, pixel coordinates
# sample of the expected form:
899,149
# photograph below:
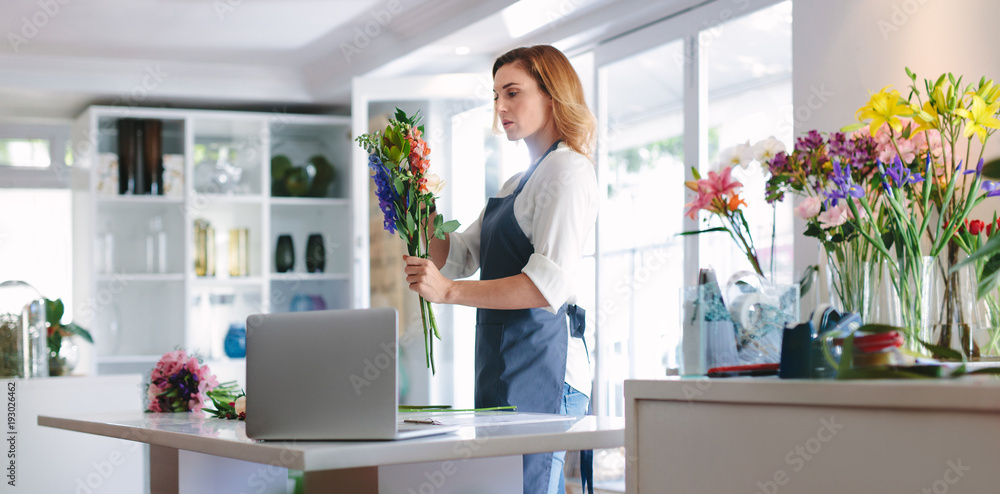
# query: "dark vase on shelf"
315,254
140,156
152,157
284,254
127,148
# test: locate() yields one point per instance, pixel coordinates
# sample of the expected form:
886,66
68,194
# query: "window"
672,96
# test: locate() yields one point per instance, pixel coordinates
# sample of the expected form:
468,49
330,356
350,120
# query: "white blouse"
556,210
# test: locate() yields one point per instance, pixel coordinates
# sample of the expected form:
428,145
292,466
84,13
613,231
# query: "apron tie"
577,320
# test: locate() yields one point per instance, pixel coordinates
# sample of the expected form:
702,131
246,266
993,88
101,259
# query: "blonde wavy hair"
555,76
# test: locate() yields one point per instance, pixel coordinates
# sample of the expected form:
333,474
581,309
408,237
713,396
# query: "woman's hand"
425,279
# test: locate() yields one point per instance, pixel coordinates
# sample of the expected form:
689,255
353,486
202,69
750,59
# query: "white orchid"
767,149
739,155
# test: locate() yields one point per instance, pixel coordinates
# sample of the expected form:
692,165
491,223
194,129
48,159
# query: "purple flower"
992,188
779,163
978,171
812,141
901,175
845,187
385,190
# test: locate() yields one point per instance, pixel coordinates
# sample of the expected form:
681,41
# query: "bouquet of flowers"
397,157
820,164
178,383
230,402
719,194
926,193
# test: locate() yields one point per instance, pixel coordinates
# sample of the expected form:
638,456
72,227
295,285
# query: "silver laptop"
326,375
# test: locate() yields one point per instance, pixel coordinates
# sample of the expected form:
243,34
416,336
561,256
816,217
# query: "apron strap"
587,464
577,320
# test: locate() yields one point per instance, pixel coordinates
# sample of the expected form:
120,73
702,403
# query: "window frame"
54,176
687,25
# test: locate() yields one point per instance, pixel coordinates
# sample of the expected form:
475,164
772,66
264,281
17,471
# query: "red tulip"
976,227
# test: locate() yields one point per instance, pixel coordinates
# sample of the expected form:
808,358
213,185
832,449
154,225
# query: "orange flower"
735,201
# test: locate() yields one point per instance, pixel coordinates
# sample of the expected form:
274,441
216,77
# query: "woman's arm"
510,293
438,248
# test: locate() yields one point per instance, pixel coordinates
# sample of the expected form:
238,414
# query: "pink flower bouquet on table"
179,383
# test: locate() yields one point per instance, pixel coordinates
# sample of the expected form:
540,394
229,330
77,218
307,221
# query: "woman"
528,244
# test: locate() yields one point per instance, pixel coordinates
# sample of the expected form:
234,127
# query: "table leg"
163,470
354,480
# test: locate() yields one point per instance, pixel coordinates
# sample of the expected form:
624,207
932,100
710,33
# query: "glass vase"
960,324
850,275
24,351
992,310
909,291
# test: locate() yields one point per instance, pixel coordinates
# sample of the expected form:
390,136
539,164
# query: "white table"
768,436
485,453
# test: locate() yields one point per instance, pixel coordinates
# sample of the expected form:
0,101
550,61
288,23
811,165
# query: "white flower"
433,183
739,155
809,207
240,405
767,149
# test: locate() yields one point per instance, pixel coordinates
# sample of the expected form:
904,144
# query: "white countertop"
977,394
493,434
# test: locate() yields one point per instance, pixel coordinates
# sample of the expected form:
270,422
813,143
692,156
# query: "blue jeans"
573,403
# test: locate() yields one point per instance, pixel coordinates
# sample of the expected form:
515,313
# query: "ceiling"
61,56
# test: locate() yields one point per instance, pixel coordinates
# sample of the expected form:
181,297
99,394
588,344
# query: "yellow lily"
980,116
884,107
989,91
927,117
939,99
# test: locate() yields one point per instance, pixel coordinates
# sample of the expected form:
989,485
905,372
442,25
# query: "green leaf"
814,230
446,227
398,184
695,174
54,310
853,127
438,221
989,249
716,229
941,352
73,328
880,328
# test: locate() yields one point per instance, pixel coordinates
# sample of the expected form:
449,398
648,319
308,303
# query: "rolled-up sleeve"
463,252
564,200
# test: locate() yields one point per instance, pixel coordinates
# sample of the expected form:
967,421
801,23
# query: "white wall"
843,49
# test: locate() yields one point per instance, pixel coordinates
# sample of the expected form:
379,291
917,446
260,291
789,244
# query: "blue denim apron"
520,354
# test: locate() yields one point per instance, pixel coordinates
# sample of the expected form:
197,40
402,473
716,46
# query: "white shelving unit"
137,315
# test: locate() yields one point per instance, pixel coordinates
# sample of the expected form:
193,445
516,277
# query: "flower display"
179,383
719,194
398,159
230,402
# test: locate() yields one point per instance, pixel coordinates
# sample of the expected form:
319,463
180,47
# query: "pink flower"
701,202
834,216
809,207
720,183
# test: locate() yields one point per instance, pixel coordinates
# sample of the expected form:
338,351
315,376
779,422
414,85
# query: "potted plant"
58,334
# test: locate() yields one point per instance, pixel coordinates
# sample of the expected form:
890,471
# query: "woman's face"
522,106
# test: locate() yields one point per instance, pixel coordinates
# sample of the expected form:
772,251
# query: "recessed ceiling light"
462,50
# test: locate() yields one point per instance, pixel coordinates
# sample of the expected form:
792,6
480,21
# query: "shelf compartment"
336,293
136,318
300,221
213,309
244,142
299,142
